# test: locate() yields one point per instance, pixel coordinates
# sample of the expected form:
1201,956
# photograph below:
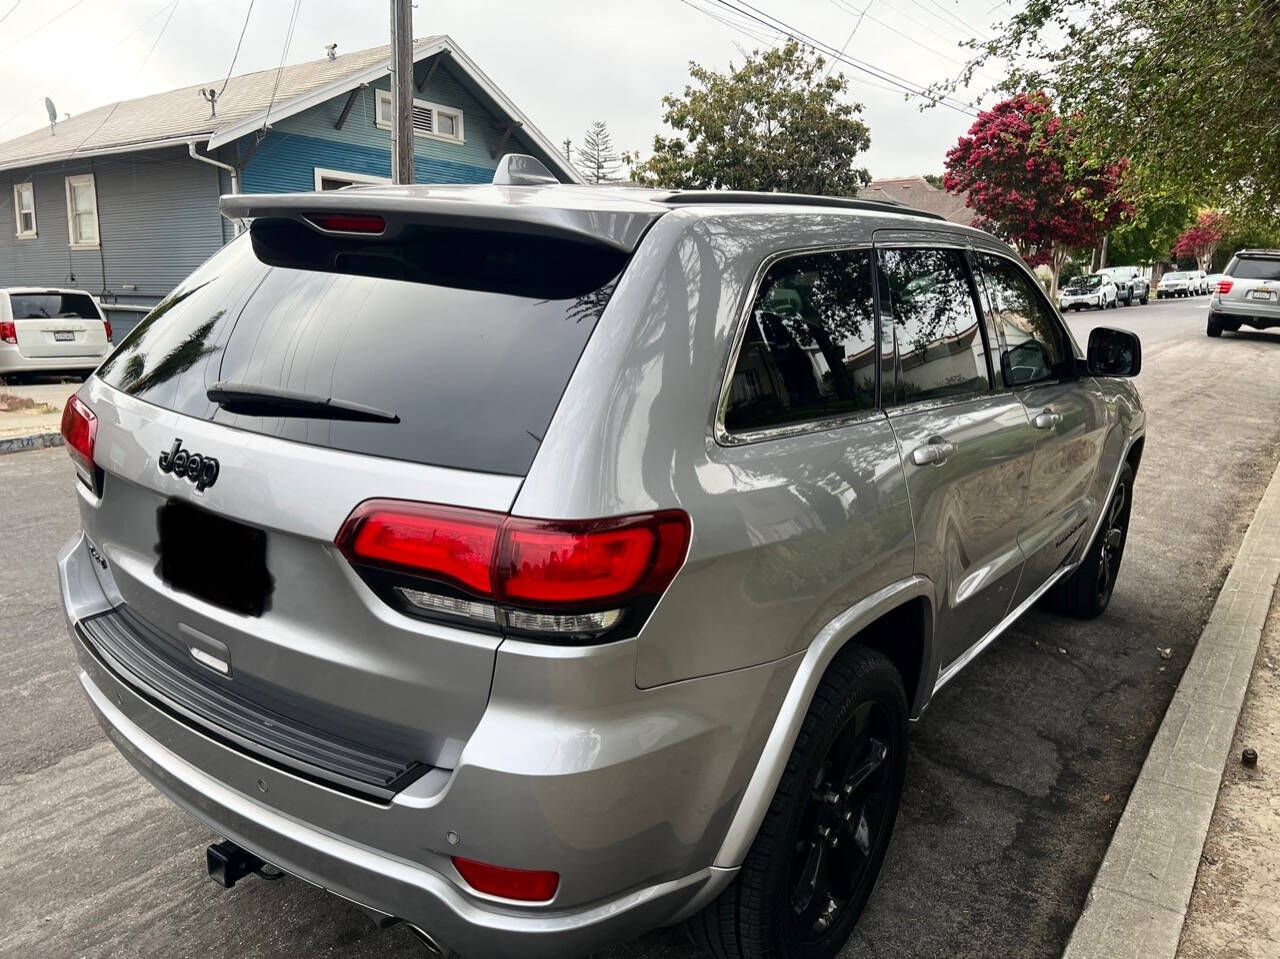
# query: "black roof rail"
800,199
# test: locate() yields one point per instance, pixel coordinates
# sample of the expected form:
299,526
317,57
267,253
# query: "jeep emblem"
201,470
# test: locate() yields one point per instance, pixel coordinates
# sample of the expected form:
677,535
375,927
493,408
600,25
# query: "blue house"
122,201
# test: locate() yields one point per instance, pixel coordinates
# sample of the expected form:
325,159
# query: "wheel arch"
896,621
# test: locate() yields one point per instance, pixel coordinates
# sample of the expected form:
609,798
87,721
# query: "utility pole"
567,154
401,91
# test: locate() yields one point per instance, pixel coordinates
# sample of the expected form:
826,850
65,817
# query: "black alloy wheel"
845,820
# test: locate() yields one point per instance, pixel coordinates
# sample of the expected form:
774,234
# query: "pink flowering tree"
1017,172
1200,241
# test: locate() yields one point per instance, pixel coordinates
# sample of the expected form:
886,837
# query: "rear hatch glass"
39,306
1255,268
465,339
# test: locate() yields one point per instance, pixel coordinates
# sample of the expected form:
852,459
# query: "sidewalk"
1155,895
31,416
1235,907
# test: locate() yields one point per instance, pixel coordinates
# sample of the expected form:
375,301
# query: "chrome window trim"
723,436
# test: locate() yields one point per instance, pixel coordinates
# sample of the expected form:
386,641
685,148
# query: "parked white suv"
51,331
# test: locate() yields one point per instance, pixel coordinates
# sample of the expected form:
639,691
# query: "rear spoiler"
559,212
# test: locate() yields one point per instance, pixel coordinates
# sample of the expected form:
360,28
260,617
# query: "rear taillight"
526,885
106,328
80,432
558,579
8,332
1224,285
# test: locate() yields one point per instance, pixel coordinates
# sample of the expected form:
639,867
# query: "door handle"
1046,420
932,453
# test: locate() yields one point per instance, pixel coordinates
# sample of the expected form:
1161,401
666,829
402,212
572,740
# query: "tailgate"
325,647
60,337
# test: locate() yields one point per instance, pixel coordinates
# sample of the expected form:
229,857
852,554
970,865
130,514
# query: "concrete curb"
1139,898
33,441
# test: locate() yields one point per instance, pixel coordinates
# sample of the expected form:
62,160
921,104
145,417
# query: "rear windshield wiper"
253,400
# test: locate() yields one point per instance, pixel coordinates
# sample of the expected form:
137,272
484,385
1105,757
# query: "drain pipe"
232,171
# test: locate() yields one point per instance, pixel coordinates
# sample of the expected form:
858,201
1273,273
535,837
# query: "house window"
24,205
429,119
337,179
82,211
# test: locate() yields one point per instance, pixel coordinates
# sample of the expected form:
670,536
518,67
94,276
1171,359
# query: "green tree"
1149,236
596,157
1186,90
777,123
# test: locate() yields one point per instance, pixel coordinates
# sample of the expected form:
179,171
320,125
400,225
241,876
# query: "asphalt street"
1018,773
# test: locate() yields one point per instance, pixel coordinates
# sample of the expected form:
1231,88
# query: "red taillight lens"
8,332
80,431
452,545
526,885
348,222
592,563
106,328
568,578
1224,285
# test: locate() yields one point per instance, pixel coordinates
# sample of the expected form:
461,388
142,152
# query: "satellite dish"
53,113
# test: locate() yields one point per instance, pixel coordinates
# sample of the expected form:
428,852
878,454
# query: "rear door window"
1255,268
940,349
39,306
808,352
473,371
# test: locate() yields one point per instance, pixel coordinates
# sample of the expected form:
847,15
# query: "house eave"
138,147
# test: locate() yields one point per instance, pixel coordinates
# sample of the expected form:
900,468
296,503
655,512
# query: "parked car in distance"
1174,283
537,628
50,331
1212,281
1199,282
1131,284
1248,294
1095,291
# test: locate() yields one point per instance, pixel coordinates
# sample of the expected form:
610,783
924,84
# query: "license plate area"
63,336
1260,295
214,558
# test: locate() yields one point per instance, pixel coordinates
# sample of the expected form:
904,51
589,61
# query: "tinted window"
1036,347
809,348
474,375
32,306
1255,268
937,333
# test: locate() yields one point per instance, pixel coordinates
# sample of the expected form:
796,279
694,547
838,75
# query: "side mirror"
1114,353
1025,363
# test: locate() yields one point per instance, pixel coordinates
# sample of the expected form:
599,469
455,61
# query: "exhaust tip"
427,940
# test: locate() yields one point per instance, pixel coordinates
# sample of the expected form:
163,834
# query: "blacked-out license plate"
214,558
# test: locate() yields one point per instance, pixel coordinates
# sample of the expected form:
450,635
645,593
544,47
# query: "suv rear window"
474,370
39,306
1254,268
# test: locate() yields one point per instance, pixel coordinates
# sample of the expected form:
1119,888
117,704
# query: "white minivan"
51,331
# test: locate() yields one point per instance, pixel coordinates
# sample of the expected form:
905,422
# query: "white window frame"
19,190
323,174
382,117
73,240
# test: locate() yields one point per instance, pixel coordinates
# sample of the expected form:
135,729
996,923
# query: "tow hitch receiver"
228,863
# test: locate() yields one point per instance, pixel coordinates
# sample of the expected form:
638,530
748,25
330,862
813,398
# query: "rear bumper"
629,808
1240,311
12,361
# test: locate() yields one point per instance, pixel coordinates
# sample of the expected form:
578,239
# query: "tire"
1213,328
857,721
1086,593
1143,300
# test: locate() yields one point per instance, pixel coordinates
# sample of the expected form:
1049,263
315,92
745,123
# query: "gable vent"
422,119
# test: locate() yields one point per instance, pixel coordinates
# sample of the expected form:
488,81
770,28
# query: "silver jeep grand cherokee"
539,564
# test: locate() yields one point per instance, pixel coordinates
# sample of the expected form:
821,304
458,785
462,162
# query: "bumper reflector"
526,885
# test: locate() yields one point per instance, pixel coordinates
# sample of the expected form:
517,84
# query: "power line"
880,73
288,39
849,39
236,56
951,19
56,16
16,4
114,45
154,43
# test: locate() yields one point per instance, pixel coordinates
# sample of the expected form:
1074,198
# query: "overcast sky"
564,63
